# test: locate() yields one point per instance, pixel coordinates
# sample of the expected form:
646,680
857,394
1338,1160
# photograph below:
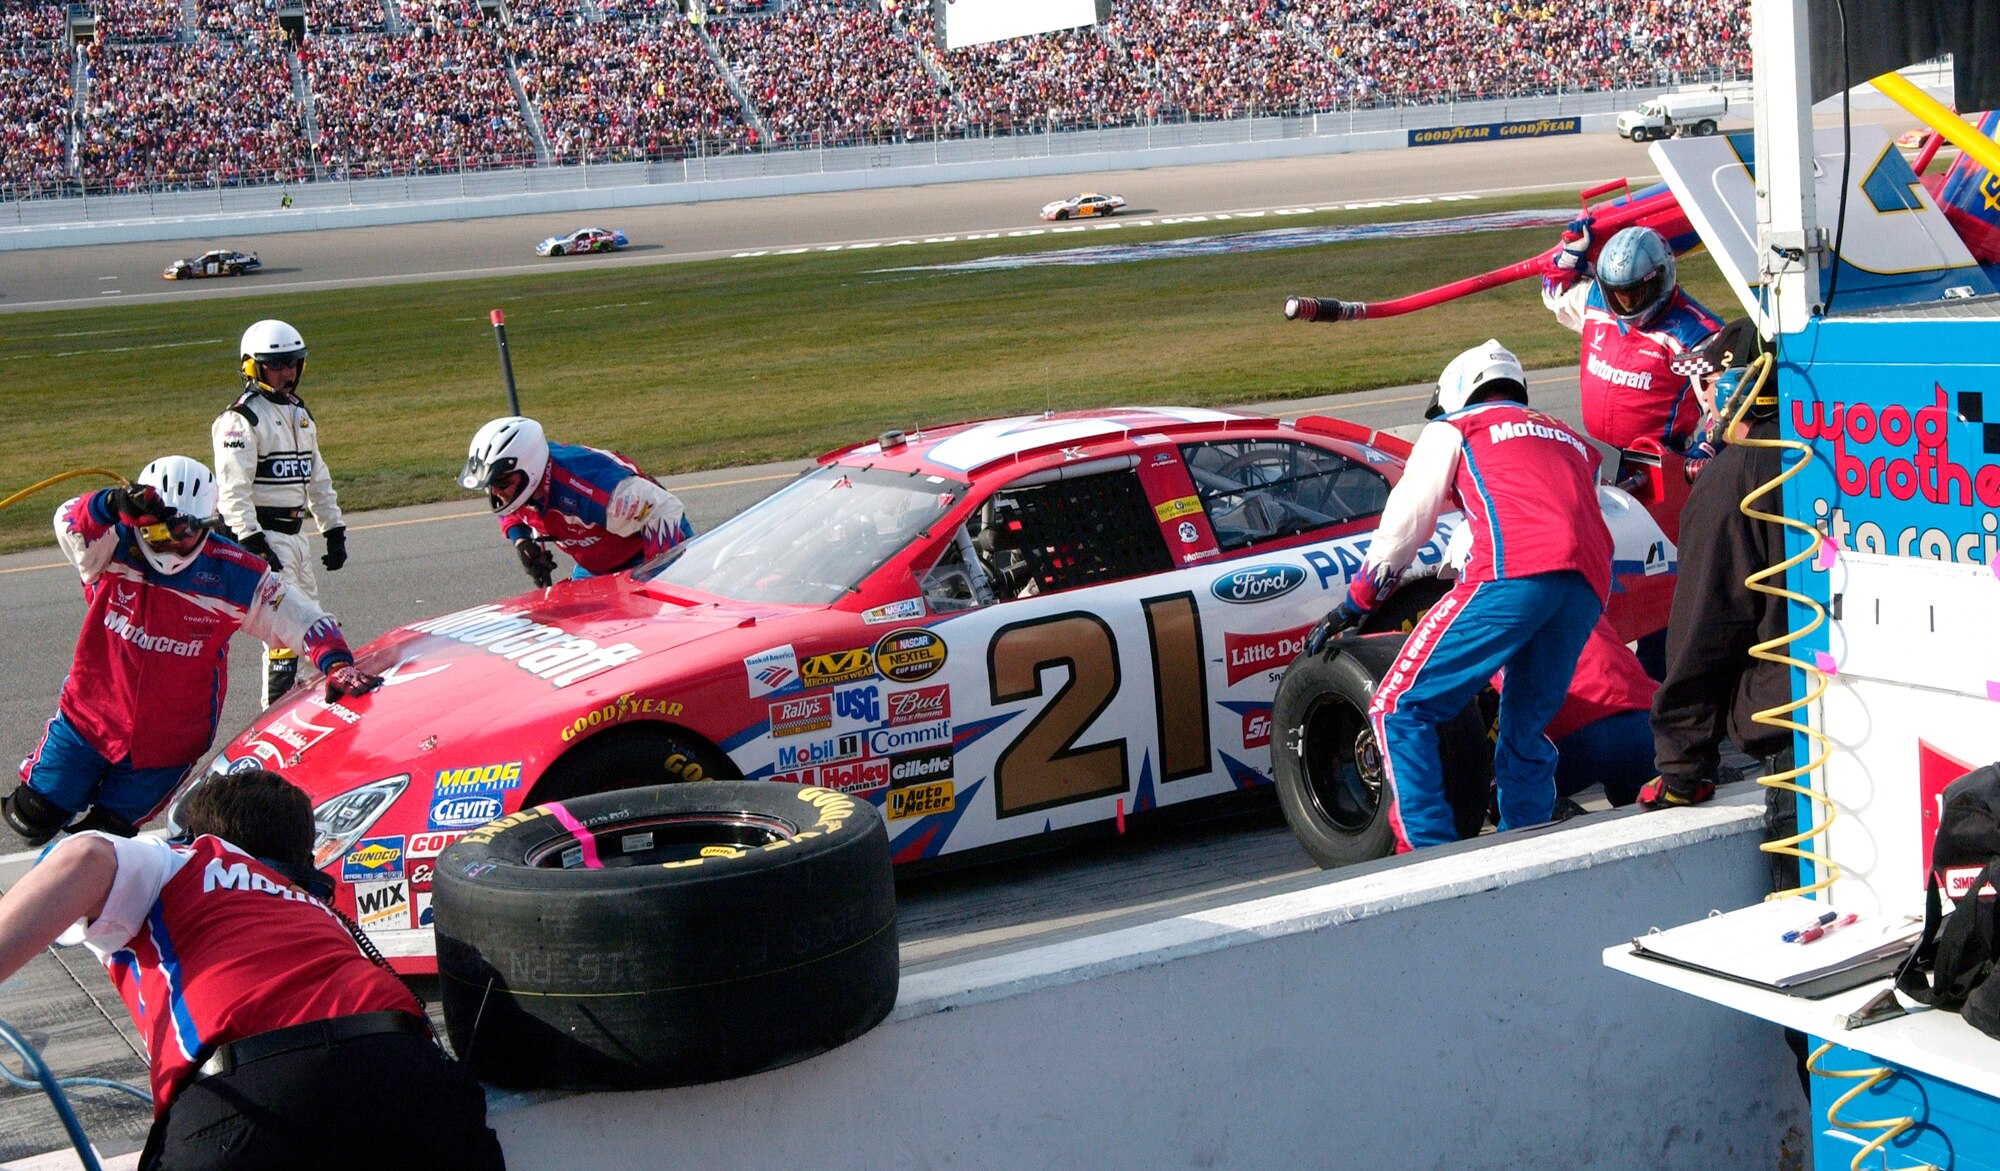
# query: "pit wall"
1449,1012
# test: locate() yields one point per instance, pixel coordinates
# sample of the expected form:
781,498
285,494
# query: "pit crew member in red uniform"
271,473
1532,588
162,595
597,506
1634,320
274,1040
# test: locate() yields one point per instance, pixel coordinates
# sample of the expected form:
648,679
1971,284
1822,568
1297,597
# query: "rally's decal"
801,714
546,652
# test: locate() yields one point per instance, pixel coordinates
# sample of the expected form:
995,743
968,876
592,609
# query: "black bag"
1951,966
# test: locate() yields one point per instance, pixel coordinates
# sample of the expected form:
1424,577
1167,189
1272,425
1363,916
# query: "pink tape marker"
1825,663
1121,815
1995,567
1828,552
1993,691
585,840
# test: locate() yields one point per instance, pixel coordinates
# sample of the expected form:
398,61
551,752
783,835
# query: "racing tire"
1410,601
631,759
1704,128
665,936
1328,770
1062,215
555,250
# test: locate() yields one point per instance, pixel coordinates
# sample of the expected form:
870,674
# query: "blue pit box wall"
1903,417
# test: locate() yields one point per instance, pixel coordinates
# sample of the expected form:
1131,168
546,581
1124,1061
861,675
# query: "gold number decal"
1180,685
1044,766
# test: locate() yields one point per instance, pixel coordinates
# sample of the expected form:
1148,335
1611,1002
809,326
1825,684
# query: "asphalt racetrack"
102,274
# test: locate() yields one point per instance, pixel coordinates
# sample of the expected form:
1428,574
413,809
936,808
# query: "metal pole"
506,362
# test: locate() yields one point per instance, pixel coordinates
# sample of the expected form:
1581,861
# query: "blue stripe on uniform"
185,1034
1492,520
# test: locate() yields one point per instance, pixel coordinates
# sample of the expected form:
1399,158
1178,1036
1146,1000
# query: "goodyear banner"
1493,131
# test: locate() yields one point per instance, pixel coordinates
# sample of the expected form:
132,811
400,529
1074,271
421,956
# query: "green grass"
689,366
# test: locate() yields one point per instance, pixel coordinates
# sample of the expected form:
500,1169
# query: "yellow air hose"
31,489
1827,870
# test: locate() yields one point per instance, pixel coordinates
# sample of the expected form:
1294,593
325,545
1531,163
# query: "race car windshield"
813,541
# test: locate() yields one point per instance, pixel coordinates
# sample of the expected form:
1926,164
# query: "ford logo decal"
1257,583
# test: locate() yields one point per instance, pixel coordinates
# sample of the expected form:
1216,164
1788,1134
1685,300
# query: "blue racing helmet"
1635,271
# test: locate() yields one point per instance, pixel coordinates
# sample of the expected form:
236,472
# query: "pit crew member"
1634,319
596,506
270,472
1712,684
162,595
1532,588
264,1019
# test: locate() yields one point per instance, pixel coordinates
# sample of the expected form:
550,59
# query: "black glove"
344,678
336,549
259,544
137,506
537,560
1340,618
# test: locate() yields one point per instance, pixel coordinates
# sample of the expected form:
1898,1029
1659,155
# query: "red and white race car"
992,632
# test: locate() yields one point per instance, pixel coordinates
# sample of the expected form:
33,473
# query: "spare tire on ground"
1328,769
665,936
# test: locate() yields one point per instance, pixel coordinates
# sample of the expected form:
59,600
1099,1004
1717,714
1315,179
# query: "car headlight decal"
339,821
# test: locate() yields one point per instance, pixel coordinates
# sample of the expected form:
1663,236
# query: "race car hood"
503,671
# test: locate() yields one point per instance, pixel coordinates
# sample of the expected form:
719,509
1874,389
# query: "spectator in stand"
1057,80
30,22
436,100
1225,60
34,117
191,115
140,20
836,71
626,91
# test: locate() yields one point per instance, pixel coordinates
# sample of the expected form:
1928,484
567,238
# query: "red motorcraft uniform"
151,668
1623,380
1532,588
600,509
261,1015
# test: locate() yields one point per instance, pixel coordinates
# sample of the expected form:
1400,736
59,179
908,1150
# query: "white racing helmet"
267,341
188,488
1485,368
507,445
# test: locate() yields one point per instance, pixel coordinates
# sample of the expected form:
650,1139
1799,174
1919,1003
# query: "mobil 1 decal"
1046,765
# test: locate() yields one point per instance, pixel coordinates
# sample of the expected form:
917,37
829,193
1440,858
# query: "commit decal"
541,650
1491,131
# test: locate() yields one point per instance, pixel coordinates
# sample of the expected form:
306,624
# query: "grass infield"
700,365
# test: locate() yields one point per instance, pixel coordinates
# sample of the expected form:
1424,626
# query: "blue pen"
1793,935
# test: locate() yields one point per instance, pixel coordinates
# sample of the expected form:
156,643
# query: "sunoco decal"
543,651
373,859
907,656
1257,583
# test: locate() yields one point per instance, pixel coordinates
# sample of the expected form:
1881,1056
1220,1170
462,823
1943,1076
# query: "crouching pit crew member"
597,506
270,472
274,1040
1533,586
162,595
1712,684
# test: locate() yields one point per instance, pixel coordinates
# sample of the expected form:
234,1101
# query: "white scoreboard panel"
975,22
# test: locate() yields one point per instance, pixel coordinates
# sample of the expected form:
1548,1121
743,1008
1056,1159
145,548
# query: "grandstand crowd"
170,94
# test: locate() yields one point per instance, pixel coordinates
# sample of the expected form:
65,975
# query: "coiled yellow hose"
31,489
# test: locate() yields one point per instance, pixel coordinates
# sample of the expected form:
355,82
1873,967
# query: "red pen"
1812,933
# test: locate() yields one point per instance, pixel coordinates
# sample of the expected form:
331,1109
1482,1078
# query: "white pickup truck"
1673,114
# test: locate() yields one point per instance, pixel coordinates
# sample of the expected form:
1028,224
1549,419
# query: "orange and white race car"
1088,204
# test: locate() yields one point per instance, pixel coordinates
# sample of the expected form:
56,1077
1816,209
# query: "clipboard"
1745,946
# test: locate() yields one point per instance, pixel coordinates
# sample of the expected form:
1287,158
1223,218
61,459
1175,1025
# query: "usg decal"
909,656
1257,583
773,672
862,705
546,652
463,812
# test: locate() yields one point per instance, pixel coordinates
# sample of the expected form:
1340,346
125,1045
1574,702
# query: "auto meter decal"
907,610
807,713
373,859
909,656
546,652
837,667
1257,583
1245,655
919,800
773,672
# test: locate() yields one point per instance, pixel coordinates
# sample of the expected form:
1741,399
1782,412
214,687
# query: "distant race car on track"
220,262
991,632
582,240
1088,204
